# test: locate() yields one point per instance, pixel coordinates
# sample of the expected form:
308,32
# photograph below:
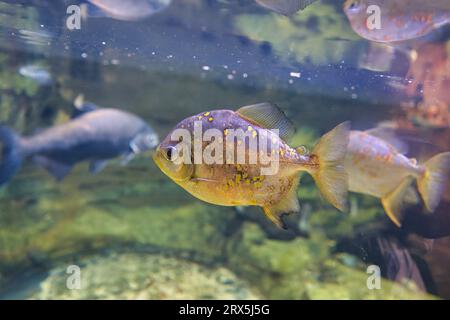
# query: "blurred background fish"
39,74
126,10
400,19
377,166
96,136
285,7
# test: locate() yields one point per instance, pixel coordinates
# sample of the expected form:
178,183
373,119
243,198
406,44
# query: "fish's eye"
170,153
354,5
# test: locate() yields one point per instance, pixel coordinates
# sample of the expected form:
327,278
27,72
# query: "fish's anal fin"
57,169
289,204
394,201
95,166
269,116
388,135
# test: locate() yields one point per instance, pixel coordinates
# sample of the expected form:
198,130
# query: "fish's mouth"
156,158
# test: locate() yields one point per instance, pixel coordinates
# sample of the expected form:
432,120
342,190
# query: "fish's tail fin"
431,183
11,155
330,176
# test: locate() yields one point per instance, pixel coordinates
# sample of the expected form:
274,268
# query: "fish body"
377,166
130,10
36,73
94,136
285,7
244,184
400,20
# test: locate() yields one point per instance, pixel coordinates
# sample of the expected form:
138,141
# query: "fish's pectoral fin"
95,166
394,201
269,116
57,169
388,135
289,204
127,157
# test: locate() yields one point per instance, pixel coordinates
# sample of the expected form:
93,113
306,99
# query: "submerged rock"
144,276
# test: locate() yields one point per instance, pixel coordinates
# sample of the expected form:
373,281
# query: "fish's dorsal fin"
289,204
388,135
81,106
269,116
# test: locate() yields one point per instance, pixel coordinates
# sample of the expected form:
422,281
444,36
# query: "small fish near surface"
234,183
94,136
285,7
400,20
39,74
377,166
126,10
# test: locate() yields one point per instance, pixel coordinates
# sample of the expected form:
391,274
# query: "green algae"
314,35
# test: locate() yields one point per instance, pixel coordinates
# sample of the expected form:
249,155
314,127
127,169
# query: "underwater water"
131,232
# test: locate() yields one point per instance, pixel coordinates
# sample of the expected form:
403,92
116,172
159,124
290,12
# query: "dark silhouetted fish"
398,264
94,136
286,7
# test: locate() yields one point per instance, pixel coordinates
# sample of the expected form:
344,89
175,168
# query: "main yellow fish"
243,184
377,166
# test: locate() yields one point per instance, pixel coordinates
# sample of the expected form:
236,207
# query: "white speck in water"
170,56
103,43
291,81
345,89
153,53
233,72
115,61
295,74
225,66
100,53
42,25
230,77
245,75
354,96
206,68
352,88
84,55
